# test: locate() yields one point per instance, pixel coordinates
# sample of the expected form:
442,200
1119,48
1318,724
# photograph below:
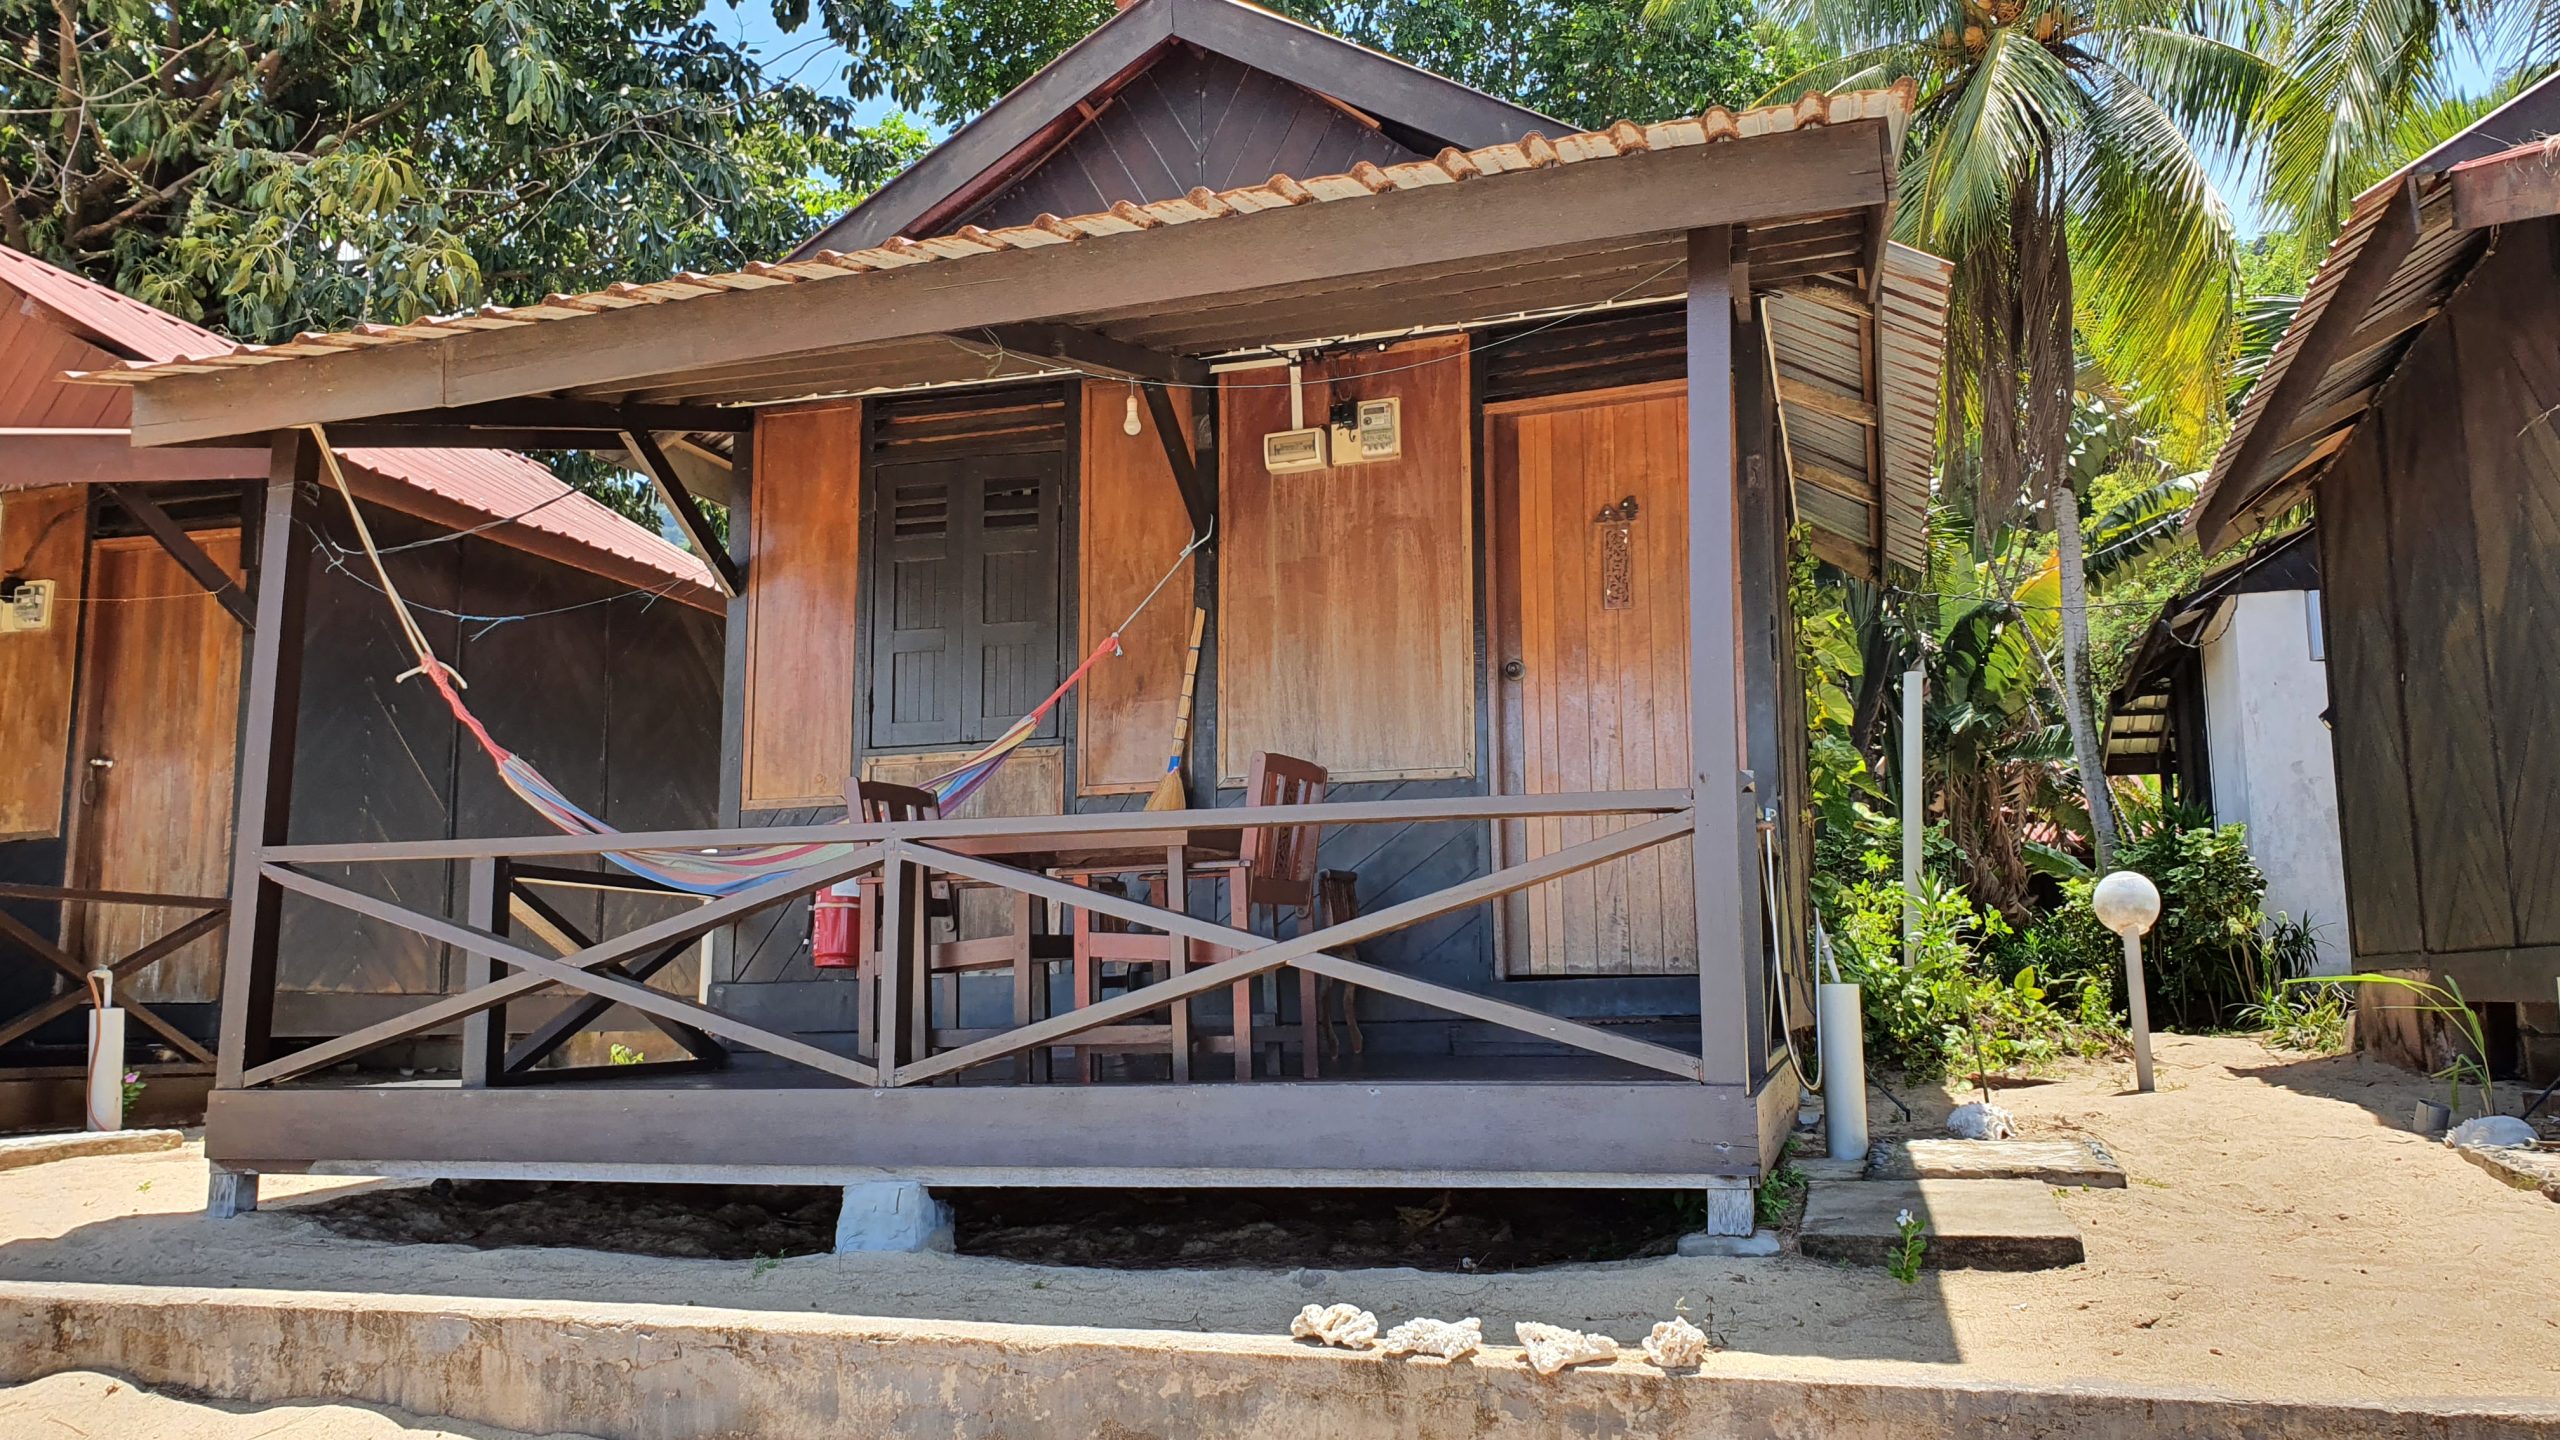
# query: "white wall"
2264,691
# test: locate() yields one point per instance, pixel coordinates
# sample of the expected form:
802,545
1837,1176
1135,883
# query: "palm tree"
2057,156
2367,85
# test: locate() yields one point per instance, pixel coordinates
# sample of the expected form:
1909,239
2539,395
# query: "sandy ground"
2282,1236
81,1406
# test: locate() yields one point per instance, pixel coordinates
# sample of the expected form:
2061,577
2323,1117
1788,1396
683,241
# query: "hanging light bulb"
1129,424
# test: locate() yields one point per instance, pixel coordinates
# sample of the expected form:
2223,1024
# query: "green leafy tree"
268,168
1584,61
2058,156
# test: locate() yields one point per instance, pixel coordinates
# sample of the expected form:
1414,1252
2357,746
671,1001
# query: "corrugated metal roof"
495,484
2230,505
1452,166
1835,360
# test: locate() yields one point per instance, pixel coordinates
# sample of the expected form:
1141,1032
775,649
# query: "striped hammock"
727,870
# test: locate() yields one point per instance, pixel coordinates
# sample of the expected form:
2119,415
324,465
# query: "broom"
1170,794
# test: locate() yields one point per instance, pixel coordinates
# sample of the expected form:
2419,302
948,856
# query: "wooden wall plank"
2452,744
802,585
1133,524
162,701
1346,629
43,536
2510,390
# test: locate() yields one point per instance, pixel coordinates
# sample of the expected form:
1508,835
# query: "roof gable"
1172,95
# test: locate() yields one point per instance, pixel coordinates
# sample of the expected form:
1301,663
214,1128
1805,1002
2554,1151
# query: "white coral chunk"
1446,1339
1675,1344
1981,1120
1346,1326
1553,1347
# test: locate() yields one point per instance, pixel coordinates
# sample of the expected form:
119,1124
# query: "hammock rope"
701,872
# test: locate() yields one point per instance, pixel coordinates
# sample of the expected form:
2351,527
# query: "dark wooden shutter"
966,630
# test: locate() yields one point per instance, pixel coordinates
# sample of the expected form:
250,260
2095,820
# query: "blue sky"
809,57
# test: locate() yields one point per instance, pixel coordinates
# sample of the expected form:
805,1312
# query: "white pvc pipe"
1914,819
106,1057
2137,1011
1844,1070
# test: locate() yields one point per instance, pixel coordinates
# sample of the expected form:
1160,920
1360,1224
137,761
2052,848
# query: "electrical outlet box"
1290,452
28,607
1380,435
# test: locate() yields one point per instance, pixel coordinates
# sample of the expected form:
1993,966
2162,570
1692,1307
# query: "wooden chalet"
1508,587
131,600
2411,404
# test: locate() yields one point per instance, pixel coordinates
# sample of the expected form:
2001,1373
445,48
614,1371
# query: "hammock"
701,872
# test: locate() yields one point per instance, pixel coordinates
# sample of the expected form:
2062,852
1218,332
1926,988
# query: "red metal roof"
494,484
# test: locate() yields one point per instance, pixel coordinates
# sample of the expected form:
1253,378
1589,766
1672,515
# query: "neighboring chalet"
1500,432
131,604
2412,402
2227,702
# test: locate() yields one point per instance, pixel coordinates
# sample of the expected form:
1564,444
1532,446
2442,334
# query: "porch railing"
505,876
211,913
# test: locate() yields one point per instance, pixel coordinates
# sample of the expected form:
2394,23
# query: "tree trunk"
2076,708
2044,272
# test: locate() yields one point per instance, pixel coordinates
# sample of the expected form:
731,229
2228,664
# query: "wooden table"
908,969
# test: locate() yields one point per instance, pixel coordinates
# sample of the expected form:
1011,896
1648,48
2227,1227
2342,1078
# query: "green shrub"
1951,1007
2205,962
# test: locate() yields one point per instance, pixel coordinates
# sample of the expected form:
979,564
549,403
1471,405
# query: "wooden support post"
1725,868
897,943
270,706
485,890
1177,896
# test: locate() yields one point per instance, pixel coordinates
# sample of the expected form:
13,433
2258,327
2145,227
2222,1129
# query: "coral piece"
2491,1130
1675,1344
1981,1121
1347,1326
1446,1339
1553,1347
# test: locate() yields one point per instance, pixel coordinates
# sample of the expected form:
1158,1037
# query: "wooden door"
965,628
1591,655
160,704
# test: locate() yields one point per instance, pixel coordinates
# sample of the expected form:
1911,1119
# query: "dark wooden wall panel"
2453,758
1189,120
2503,338
662,743
2368,734
375,759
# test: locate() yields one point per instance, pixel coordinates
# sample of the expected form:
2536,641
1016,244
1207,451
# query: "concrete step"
2083,1163
1971,1224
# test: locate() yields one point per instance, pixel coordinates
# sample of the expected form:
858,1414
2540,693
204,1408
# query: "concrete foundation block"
1758,1245
892,1215
230,1193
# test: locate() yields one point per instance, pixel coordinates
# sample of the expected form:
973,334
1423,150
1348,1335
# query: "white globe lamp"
2128,904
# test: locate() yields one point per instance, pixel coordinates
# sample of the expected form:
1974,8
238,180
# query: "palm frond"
2155,242
1990,136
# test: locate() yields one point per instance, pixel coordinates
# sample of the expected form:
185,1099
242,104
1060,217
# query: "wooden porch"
970,450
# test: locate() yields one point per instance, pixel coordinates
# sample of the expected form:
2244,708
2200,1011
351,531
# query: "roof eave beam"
2368,274
1093,353
2502,189
1808,171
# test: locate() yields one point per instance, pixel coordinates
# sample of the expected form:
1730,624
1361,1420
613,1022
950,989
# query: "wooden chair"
1275,872
1020,950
